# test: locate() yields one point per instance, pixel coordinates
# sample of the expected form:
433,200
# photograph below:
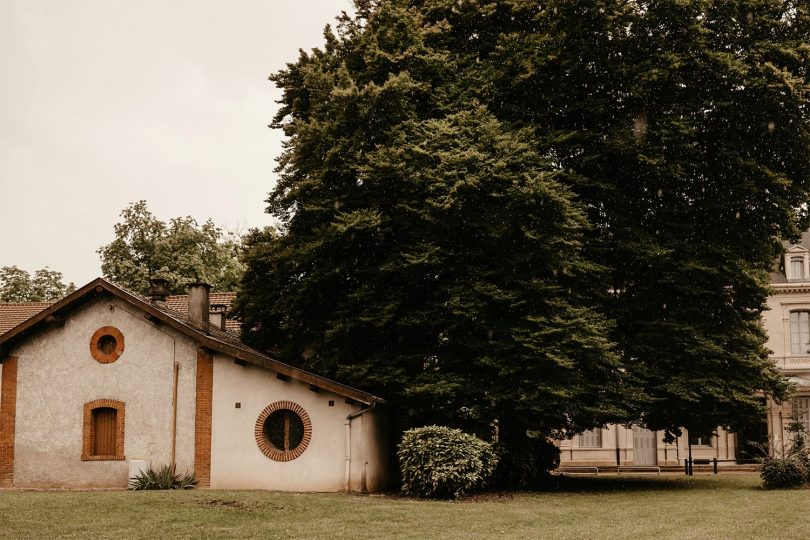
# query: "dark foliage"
551,216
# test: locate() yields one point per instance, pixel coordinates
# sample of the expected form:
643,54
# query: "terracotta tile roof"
179,302
14,313
209,336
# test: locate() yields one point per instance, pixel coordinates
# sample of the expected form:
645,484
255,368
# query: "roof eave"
100,285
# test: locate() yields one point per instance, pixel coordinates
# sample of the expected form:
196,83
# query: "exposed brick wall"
202,418
8,419
88,434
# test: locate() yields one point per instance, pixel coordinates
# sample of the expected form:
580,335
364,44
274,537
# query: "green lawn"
730,506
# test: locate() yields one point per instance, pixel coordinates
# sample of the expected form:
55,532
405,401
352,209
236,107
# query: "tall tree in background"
428,252
685,129
675,139
180,251
17,285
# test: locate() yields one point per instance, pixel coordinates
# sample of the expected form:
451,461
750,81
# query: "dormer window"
797,267
796,264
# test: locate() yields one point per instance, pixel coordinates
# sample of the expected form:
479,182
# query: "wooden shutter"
104,431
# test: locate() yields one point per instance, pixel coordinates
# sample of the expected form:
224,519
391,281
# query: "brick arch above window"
107,344
103,418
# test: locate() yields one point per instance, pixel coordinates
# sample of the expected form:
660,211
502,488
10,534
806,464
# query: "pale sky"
106,102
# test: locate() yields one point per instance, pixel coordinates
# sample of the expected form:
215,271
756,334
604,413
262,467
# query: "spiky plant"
164,478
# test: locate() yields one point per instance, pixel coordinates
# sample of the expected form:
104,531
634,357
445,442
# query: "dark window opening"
106,344
284,430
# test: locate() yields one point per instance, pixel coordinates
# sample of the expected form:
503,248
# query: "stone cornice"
790,288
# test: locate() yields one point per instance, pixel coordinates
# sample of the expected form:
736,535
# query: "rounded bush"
783,472
441,462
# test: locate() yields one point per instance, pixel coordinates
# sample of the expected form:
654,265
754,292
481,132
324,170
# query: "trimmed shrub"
441,462
783,472
163,478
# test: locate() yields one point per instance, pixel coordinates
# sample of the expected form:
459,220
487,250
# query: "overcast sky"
106,102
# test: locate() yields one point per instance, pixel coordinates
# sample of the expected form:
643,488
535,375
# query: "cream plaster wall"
237,462
773,319
57,376
370,452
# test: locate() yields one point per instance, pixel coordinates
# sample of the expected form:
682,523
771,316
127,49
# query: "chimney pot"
158,291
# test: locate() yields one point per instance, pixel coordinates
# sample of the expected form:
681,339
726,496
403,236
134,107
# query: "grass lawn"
730,506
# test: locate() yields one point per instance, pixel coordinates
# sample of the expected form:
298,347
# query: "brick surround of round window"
267,448
107,344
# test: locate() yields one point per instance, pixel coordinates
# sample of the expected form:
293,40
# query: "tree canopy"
544,216
17,285
180,251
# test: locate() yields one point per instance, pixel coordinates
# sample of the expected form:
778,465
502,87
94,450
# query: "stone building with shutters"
105,382
787,323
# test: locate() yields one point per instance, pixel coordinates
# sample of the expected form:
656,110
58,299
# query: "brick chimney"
198,303
158,291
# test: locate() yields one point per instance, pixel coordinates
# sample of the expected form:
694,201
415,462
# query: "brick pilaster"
202,418
8,419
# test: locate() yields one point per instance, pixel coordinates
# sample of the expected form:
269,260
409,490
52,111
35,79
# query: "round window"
283,431
107,344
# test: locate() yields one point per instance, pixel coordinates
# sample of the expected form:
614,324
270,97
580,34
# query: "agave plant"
164,478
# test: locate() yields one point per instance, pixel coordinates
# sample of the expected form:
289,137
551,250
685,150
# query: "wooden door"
104,423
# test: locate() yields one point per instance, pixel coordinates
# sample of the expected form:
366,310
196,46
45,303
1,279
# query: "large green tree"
428,252
18,285
428,136
180,251
685,128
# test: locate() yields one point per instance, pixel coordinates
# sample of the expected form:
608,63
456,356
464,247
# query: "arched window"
103,433
799,333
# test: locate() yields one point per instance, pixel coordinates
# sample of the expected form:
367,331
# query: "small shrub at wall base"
164,478
441,462
789,468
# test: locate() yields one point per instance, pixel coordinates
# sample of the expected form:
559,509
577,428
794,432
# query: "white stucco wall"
57,376
775,321
370,457
238,463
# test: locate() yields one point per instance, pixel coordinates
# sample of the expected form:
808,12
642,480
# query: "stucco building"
787,323
105,382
